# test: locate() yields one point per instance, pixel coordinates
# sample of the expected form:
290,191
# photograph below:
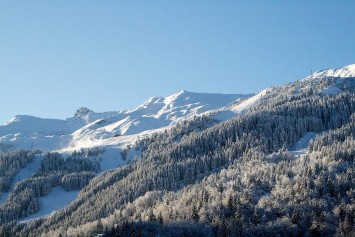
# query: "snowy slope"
55,200
348,71
326,82
301,147
30,132
153,115
89,129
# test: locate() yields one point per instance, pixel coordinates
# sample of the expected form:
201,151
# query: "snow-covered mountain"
119,128
88,129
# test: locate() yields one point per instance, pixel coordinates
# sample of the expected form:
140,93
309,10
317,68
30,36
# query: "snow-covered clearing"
301,147
55,200
331,90
111,159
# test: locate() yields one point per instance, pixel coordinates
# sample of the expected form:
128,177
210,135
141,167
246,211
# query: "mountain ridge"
347,71
25,131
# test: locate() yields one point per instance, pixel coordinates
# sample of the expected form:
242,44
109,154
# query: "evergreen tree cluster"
88,152
10,164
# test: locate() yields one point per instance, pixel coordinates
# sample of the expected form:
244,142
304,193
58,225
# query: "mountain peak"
82,111
182,91
153,100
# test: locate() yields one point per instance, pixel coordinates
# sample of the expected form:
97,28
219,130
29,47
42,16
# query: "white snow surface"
245,105
301,147
55,200
111,159
330,90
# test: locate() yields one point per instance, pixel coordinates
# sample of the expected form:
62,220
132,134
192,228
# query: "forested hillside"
235,178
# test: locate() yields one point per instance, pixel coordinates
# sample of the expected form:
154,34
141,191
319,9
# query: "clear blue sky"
56,56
